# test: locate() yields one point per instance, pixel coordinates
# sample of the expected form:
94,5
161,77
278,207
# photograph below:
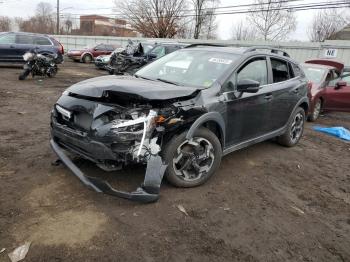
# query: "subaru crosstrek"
180,114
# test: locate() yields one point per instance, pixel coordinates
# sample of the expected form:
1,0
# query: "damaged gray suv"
180,114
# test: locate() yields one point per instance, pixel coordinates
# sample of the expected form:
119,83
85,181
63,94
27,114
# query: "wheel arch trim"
207,117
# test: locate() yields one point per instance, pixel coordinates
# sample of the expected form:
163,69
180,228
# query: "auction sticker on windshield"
220,60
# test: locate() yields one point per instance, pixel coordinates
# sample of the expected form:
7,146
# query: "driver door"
337,98
248,114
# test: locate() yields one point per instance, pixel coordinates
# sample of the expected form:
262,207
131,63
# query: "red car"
329,86
87,55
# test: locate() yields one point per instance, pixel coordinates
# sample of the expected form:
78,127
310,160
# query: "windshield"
314,74
189,67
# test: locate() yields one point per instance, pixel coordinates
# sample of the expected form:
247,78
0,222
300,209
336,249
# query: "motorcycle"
127,60
38,64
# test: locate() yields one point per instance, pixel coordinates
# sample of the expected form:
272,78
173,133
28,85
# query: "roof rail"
204,44
272,49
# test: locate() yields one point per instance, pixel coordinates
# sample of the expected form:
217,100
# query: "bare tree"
271,19
242,30
325,25
43,21
5,23
204,16
154,18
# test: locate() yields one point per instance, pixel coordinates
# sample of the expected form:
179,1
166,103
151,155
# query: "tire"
87,59
316,112
53,72
295,129
24,75
178,152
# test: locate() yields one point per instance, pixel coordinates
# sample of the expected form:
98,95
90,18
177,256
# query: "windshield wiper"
138,76
167,81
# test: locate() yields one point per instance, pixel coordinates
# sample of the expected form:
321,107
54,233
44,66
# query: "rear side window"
25,39
297,70
7,39
41,41
280,71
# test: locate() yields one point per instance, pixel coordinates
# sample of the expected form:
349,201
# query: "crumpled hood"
146,89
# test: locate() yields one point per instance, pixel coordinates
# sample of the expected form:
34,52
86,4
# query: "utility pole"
58,17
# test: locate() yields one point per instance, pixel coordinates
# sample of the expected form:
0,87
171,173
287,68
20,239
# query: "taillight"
61,49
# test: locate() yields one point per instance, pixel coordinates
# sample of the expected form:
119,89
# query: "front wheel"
192,162
294,130
24,75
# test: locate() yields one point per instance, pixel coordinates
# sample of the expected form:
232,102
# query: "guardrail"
299,51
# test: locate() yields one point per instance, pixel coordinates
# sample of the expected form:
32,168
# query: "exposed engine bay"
116,129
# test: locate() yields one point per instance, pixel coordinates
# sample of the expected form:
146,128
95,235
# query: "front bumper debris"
148,192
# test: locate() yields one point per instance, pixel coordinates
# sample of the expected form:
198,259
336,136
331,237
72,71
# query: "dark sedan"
14,45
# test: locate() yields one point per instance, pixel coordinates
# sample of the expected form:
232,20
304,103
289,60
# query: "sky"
26,8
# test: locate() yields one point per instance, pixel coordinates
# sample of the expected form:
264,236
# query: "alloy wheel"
193,159
297,127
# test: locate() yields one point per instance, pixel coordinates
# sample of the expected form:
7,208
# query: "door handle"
268,97
296,90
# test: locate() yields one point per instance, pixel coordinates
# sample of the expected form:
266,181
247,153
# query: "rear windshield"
314,74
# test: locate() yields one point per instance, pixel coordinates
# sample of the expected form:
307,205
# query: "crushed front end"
113,135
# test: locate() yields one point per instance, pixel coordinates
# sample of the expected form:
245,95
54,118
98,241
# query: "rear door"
24,43
247,113
337,98
286,89
7,47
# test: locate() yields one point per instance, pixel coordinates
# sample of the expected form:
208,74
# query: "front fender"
210,116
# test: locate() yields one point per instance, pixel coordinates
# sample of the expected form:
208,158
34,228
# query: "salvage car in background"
102,61
14,45
181,114
87,55
329,87
129,62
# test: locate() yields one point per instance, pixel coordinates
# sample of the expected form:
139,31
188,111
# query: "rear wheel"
317,110
192,162
52,71
294,130
87,59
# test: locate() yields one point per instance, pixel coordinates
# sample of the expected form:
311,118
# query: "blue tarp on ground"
337,131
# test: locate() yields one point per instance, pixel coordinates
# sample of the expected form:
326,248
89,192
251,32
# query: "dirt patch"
266,202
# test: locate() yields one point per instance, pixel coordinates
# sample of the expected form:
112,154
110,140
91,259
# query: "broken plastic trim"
147,193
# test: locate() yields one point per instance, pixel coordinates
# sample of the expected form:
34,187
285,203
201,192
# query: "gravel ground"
266,202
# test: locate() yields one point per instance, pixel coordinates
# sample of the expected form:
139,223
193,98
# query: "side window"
110,48
334,78
255,69
7,39
346,78
280,71
291,71
99,47
159,51
25,39
41,41
297,70
170,49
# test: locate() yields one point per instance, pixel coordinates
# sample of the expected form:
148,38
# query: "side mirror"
340,84
248,86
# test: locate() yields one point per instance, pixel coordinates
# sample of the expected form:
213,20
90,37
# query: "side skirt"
253,141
